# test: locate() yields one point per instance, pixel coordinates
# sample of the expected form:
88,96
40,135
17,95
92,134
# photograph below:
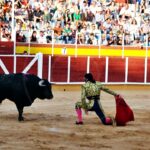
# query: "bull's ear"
41,83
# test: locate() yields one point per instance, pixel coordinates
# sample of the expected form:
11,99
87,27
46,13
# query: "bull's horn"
41,83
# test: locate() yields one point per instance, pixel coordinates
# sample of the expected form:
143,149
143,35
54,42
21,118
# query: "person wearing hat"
90,100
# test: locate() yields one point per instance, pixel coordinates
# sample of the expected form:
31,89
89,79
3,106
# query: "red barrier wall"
8,62
22,62
116,70
136,70
97,68
59,68
78,69
148,70
79,66
45,66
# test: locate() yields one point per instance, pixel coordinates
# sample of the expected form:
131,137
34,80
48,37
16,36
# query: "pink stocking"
108,121
79,114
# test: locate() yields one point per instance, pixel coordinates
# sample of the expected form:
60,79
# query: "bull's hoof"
20,119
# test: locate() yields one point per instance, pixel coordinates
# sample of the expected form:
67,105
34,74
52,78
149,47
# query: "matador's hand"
118,95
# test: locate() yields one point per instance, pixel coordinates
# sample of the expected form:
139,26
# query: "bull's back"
9,84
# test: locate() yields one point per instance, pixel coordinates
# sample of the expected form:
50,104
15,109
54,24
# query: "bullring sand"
49,125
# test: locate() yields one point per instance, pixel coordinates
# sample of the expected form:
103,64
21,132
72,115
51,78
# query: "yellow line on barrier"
83,51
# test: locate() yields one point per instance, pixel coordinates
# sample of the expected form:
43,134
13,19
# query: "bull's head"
46,89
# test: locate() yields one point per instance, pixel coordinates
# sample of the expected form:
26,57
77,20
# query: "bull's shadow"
28,117
31,117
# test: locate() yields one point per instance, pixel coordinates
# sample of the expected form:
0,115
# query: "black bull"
23,89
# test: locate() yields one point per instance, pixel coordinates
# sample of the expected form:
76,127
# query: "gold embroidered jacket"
90,89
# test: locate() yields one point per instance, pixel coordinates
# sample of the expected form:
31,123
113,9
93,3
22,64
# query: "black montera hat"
89,77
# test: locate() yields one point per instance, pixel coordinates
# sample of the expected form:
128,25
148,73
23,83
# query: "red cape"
124,113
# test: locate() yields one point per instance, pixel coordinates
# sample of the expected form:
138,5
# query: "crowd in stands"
94,22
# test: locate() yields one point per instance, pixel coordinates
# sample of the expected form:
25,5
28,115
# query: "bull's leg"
20,113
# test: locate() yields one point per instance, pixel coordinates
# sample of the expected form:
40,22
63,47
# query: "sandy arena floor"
49,125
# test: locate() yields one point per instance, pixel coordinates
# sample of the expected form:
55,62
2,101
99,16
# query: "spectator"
30,13
113,9
38,17
81,39
58,30
107,25
107,14
92,7
58,16
119,39
92,39
142,7
42,38
20,37
90,17
99,17
134,30
34,37
112,39
73,8
137,43
46,16
5,35
76,17
144,30
83,6
67,34
149,40
84,29
67,16
40,13
126,11
145,27
104,40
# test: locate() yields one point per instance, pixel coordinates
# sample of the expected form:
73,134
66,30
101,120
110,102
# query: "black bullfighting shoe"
79,123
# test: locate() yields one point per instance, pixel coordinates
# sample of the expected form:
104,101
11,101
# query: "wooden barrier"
136,70
59,69
97,67
8,62
116,70
22,62
148,70
72,69
78,68
119,71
